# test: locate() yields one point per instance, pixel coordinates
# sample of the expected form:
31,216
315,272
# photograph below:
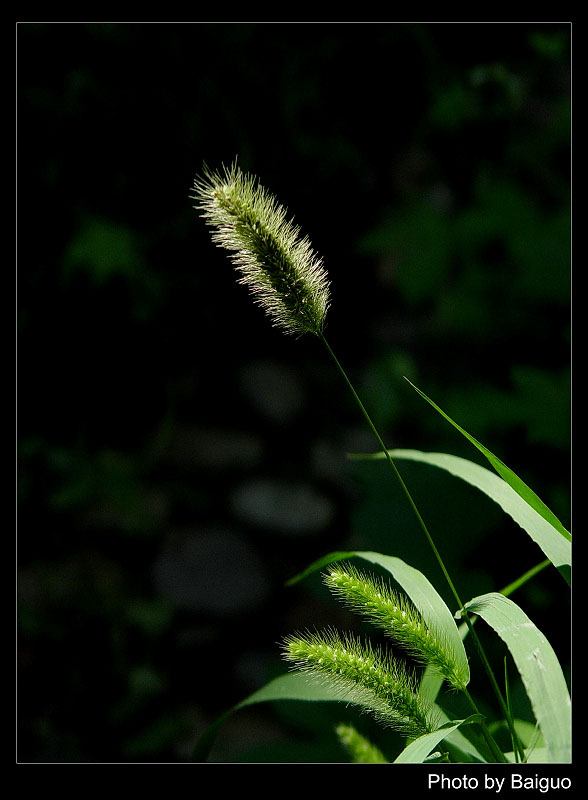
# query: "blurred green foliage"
430,166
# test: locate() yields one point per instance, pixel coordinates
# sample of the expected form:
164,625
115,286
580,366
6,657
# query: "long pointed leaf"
417,751
538,666
290,686
297,686
461,746
505,472
556,547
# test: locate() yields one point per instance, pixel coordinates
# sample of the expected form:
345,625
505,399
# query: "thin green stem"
481,653
517,753
429,538
520,581
496,751
397,473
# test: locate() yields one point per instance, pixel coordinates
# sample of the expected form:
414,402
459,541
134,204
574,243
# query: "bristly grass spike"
283,273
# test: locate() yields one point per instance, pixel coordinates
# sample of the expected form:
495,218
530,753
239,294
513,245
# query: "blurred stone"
284,506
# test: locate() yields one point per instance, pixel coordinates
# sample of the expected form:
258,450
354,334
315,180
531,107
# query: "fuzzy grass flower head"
284,275
364,676
393,613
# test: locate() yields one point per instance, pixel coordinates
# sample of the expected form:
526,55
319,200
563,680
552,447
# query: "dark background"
178,458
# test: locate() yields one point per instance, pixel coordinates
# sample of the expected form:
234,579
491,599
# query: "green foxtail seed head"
361,750
280,268
365,676
393,613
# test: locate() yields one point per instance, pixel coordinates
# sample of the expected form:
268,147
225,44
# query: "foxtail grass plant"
288,280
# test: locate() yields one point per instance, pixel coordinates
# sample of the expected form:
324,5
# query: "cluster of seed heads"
398,618
373,677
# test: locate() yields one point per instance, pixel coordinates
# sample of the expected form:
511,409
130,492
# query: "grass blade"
507,474
418,750
556,547
538,667
290,686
